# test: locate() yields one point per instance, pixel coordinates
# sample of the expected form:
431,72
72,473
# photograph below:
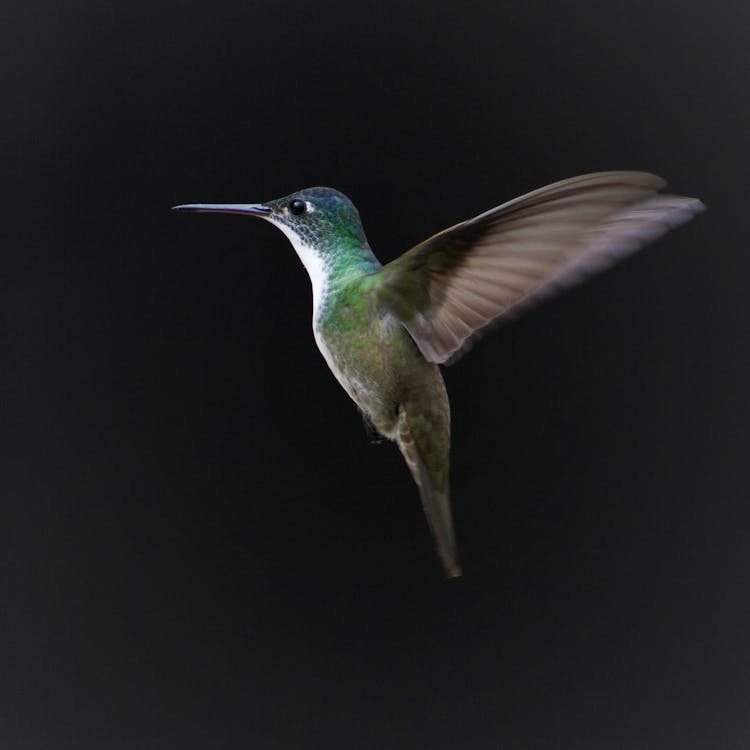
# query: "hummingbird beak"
248,209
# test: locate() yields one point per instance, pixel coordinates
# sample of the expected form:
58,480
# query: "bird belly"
368,367
334,363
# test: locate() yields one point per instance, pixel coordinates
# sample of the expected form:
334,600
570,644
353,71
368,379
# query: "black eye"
297,207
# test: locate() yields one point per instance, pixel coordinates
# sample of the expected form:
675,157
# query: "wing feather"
487,269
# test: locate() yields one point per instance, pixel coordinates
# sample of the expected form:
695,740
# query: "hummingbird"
385,329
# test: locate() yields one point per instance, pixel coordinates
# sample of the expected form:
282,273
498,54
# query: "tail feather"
433,488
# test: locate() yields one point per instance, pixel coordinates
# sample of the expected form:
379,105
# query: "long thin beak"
251,209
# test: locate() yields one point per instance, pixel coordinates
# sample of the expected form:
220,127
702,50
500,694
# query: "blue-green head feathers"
320,216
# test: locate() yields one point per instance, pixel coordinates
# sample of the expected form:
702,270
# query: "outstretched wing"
450,287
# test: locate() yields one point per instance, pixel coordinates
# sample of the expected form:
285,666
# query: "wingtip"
678,209
453,571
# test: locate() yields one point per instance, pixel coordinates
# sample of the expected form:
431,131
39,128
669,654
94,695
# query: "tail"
426,452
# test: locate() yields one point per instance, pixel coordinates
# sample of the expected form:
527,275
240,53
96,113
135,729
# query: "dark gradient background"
200,548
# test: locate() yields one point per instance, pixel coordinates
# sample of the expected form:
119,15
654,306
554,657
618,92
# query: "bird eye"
297,207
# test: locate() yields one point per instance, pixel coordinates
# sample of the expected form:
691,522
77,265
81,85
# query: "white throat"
315,265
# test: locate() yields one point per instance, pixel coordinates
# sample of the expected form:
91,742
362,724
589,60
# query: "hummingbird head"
321,218
321,223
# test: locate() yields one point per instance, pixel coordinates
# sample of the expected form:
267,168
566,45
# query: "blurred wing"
450,287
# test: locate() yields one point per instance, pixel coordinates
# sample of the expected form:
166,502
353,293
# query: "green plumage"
384,329
403,396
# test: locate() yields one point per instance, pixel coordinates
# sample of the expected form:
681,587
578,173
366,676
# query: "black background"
200,549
